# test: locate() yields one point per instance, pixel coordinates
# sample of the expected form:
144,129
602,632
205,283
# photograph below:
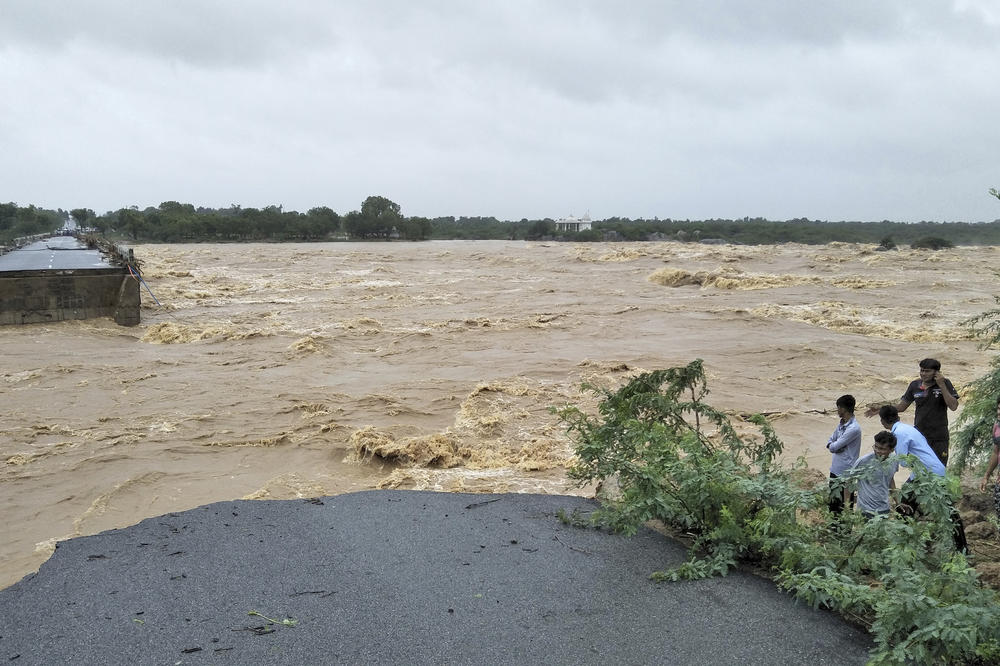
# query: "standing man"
845,445
911,441
934,395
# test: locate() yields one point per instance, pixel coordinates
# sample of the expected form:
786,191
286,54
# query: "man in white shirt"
845,445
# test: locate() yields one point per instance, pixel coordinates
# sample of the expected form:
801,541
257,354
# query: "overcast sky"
847,110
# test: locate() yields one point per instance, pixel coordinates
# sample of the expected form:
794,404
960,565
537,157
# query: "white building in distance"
572,223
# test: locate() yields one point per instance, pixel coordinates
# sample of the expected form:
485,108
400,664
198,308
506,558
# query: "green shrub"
677,460
972,439
931,243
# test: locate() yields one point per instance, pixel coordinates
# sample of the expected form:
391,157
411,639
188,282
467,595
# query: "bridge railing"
123,255
117,253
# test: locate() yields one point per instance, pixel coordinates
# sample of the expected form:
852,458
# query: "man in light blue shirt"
845,445
909,440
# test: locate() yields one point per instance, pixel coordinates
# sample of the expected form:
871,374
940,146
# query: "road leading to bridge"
55,253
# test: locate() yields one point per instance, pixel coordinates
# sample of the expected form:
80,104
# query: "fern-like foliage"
972,432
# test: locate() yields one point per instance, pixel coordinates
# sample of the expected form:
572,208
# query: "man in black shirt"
934,395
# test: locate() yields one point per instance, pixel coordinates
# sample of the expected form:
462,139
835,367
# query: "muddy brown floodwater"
296,370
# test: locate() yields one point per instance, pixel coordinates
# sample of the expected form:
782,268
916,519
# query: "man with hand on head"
934,395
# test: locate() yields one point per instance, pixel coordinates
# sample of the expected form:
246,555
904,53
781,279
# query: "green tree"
322,222
130,221
377,218
17,221
415,228
176,209
8,216
104,223
931,243
381,216
82,216
540,229
376,207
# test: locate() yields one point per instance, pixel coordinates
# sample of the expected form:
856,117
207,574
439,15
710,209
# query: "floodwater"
281,371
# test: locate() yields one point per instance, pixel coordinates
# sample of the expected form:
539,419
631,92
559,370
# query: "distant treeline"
17,221
381,219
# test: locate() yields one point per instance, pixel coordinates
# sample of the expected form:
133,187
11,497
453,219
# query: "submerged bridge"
52,278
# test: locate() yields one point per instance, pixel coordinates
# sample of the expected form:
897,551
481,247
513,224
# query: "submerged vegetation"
675,459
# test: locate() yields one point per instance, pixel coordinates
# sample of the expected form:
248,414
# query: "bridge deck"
61,278
53,254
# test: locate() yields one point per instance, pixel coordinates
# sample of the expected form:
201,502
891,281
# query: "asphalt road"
398,577
55,253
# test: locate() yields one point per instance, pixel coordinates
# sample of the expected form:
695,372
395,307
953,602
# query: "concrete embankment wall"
30,297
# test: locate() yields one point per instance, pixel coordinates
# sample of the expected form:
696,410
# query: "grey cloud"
653,52
238,33
785,22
